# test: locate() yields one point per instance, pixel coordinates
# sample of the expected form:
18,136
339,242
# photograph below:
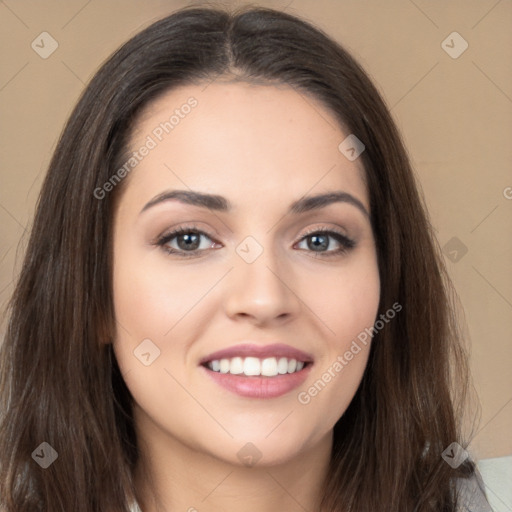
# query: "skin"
261,147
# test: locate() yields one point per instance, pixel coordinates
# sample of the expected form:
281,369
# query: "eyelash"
346,243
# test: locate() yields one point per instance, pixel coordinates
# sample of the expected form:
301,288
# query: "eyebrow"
221,204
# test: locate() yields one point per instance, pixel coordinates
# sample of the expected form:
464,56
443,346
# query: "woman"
231,297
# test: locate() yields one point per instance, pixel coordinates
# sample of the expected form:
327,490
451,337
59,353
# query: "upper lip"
260,351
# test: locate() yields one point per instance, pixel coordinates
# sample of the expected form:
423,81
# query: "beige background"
455,115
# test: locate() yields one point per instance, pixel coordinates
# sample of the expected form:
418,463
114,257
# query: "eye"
327,242
185,241
189,241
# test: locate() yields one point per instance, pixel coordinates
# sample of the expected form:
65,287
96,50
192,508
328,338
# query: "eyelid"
324,229
172,233
183,228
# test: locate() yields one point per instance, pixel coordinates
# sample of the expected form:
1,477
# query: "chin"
259,450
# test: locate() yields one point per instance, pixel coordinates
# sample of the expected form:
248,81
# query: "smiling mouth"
256,367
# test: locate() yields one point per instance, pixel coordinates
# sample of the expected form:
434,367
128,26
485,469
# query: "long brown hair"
61,386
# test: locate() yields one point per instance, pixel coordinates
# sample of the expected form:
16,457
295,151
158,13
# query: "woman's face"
214,324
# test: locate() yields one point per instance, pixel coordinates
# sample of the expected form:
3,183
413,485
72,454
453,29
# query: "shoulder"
472,495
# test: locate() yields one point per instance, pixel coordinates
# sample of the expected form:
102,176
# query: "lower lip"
259,387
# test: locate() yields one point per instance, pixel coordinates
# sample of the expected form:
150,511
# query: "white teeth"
292,365
237,365
224,365
253,366
269,367
282,365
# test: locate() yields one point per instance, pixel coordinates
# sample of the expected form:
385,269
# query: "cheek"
157,301
327,397
347,307
151,297
345,301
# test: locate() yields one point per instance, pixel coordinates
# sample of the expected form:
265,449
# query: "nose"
262,292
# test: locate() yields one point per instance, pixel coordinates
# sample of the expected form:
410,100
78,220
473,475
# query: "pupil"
315,244
191,241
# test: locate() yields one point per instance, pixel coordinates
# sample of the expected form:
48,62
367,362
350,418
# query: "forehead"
252,139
